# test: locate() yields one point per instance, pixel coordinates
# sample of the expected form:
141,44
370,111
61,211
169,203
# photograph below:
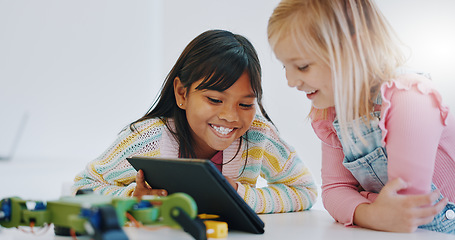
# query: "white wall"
82,70
427,28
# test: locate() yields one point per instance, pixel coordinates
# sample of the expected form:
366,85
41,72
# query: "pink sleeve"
340,193
412,125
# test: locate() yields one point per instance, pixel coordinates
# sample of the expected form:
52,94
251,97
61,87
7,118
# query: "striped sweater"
290,184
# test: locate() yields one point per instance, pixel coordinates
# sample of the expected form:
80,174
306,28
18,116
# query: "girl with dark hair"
207,110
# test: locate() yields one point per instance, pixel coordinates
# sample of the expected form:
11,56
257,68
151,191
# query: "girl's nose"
293,81
229,113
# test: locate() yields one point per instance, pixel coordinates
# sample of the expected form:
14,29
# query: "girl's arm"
340,190
290,188
291,185
111,174
386,211
106,183
413,125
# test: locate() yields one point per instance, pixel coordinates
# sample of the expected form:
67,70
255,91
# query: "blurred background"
74,73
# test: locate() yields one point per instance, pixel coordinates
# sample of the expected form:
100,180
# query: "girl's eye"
242,105
213,100
303,68
246,105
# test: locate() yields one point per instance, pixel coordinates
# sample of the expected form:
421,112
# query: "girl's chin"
321,106
316,103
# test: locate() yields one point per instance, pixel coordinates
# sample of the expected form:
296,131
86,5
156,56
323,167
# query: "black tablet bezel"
202,181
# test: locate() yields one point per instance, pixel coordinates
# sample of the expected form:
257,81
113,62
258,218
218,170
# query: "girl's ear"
180,93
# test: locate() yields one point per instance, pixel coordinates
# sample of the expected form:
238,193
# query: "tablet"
208,187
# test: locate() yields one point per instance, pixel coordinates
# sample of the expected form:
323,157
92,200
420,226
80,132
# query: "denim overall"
368,164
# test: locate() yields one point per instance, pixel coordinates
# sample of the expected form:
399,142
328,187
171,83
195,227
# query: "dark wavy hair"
218,57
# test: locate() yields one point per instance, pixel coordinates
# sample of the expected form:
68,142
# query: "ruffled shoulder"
322,123
408,82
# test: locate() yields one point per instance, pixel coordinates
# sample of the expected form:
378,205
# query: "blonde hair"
352,37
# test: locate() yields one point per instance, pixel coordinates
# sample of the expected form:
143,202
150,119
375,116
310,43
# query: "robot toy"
103,217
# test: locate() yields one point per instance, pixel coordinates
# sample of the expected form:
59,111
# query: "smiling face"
217,118
306,72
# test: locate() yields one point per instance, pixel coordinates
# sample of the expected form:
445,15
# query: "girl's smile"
310,95
223,131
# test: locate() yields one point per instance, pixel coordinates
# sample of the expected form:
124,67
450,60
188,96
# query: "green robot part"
103,216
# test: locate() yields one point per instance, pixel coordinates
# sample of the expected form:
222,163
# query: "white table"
311,225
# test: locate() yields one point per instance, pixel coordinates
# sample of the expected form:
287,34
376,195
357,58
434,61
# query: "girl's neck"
205,154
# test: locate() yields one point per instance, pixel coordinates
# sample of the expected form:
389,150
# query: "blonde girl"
388,155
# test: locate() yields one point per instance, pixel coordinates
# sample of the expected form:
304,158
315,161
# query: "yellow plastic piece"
216,229
204,216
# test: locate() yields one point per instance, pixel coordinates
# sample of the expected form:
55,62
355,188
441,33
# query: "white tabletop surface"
312,225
